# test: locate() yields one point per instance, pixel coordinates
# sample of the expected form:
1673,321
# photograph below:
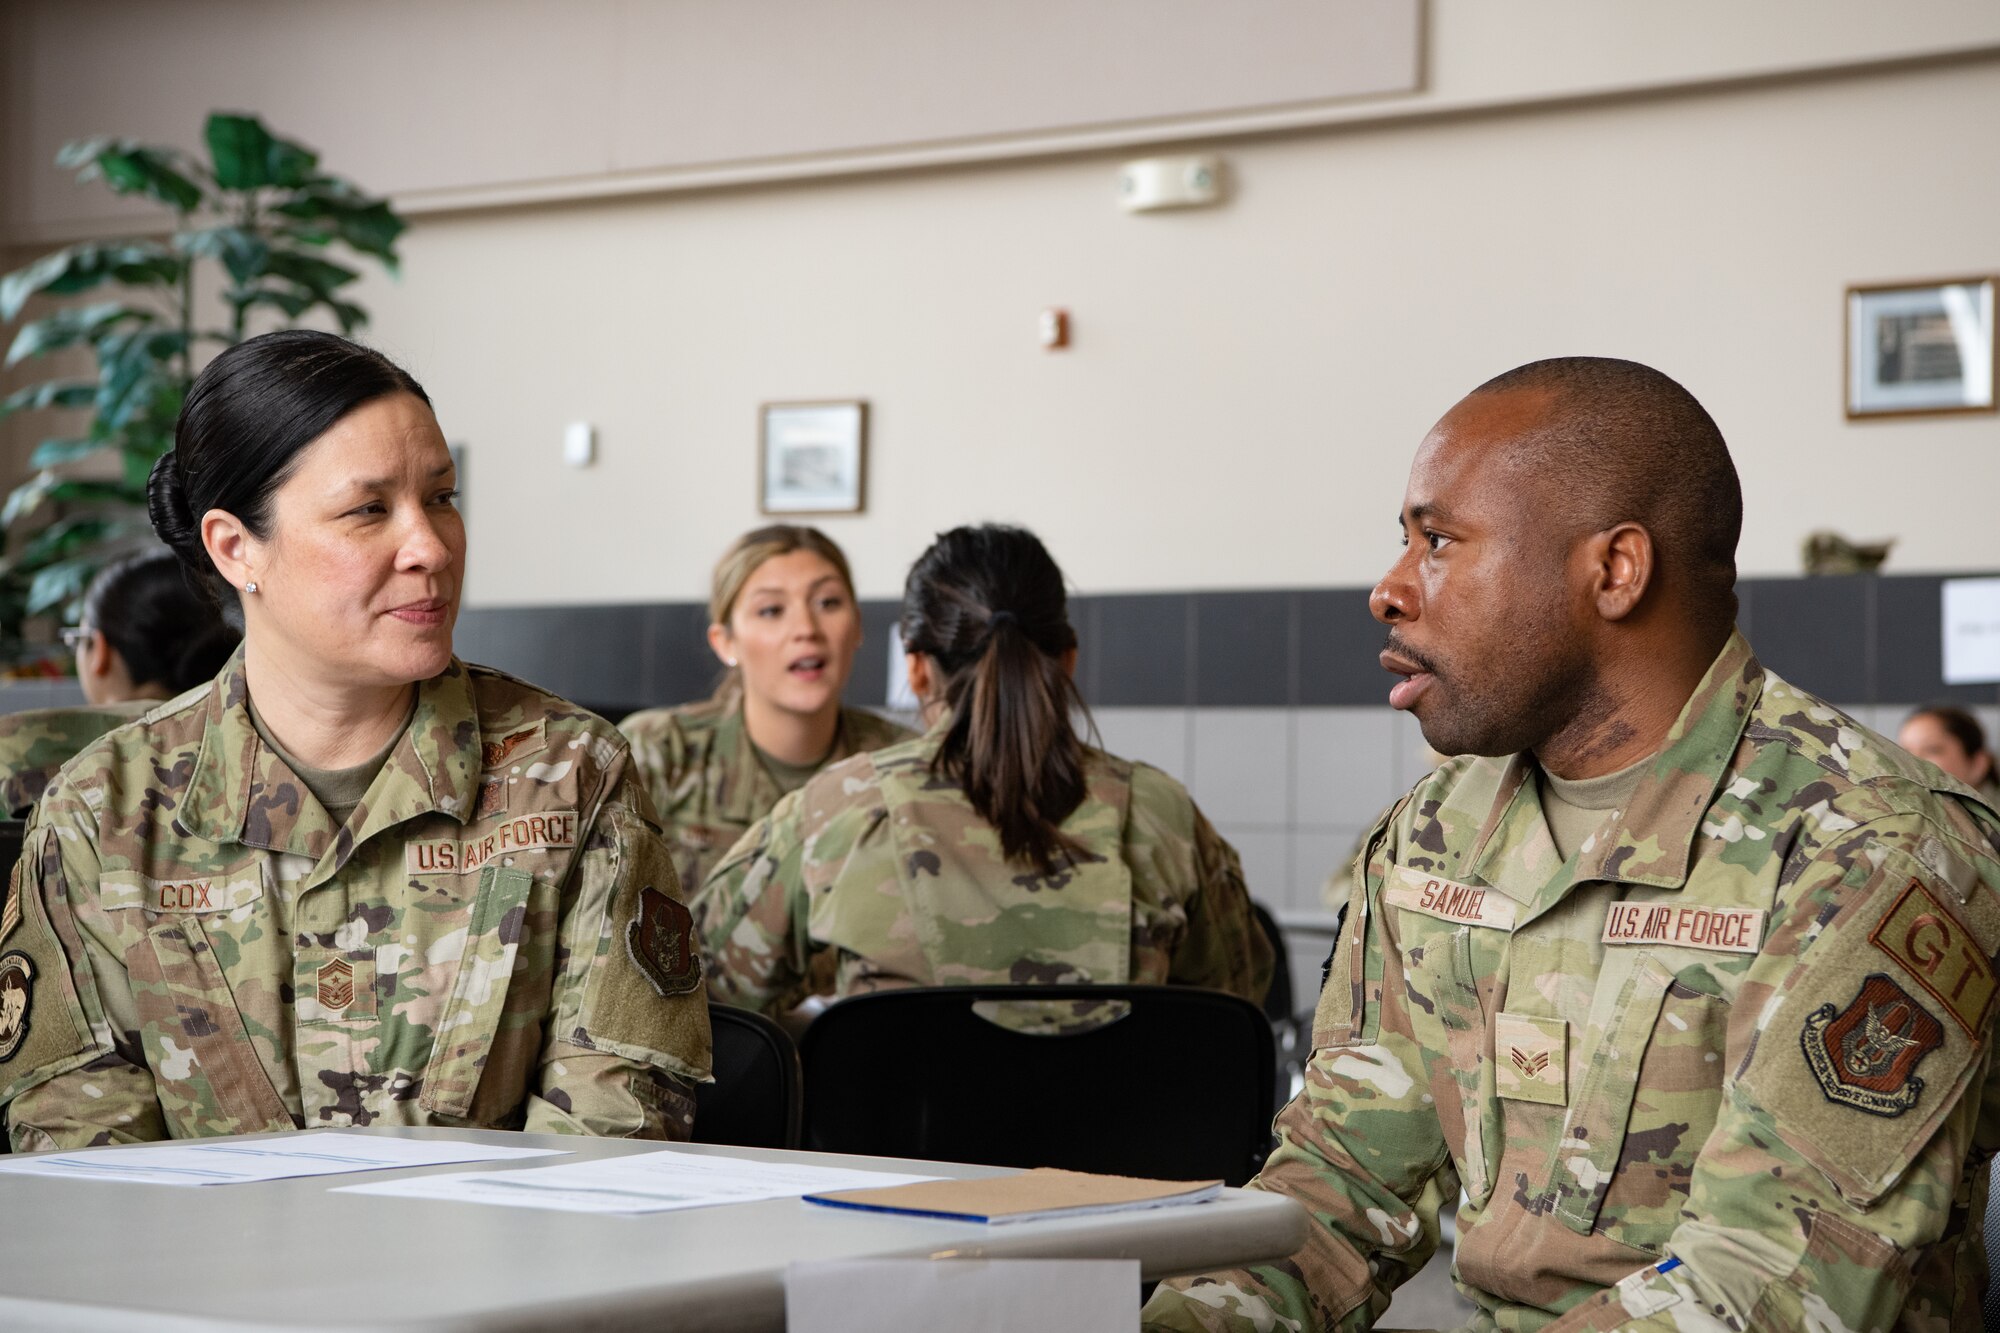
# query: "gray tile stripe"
1861,639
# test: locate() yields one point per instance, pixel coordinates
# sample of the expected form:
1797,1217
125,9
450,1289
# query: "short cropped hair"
1632,445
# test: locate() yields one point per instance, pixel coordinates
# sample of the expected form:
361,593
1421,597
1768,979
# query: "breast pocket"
489,1032
1647,1103
208,1075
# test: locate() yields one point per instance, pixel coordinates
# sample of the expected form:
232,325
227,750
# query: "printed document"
653,1182
233,1161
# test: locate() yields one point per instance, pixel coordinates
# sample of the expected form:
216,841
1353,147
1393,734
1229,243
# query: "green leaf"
319,276
60,582
291,300
350,315
136,368
241,250
65,538
369,225
46,487
55,452
80,267
133,168
51,393
249,157
66,328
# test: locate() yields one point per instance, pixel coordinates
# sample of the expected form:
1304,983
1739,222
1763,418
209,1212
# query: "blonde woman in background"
784,621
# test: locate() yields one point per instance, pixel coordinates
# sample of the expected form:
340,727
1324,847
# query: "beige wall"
1247,382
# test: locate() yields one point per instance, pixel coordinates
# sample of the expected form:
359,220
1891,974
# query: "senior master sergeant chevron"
1687,983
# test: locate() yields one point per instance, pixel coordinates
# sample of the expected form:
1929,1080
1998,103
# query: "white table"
292,1255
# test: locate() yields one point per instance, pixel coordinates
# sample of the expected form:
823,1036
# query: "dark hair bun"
167,506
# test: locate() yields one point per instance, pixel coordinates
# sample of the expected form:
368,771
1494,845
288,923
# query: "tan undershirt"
338,790
789,777
1576,808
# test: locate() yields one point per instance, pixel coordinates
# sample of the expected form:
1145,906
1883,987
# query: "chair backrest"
12,833
1277,1000
754,1101
917,1073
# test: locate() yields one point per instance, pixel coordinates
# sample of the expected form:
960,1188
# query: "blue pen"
1669,1266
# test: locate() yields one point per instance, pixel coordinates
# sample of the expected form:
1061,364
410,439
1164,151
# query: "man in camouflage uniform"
1715,1058
876,864
493,938
37,742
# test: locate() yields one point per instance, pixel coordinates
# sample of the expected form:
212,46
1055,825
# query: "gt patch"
1866,1055
660,940
1940,954
17,995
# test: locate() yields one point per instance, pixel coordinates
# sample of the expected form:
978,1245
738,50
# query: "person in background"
1688,993
785,624
355,881
997,847
144,637
1952,738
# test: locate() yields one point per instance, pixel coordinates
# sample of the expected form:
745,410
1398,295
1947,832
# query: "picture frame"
813,457
1920,348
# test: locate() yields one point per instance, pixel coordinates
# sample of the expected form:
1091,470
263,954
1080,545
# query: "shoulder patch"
661,941
1940,955
17,996
1866,1055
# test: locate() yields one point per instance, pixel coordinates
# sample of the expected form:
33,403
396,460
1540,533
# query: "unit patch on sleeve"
1940,955
1866,1055
17,993
661,941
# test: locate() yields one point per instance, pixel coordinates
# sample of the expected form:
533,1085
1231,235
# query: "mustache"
1395,645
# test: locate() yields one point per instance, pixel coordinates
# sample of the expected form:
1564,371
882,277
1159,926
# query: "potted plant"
280,237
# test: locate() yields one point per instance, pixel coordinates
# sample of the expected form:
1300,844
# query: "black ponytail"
988,605
166,635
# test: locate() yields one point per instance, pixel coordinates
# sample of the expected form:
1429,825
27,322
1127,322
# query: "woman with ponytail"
996,848
355,880
144,638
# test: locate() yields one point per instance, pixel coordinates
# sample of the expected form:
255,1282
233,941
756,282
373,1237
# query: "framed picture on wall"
815,458
1920,348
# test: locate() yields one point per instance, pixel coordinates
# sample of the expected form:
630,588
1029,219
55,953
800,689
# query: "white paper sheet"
229,1161
654,1182
965,1295
1971,631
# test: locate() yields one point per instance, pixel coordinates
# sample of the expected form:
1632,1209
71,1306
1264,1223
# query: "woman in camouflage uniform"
995,848
144,638
356,881
785,624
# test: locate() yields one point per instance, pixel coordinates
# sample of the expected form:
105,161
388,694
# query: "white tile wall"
1267,861
1157,736
1344,766
1241,766
1316,854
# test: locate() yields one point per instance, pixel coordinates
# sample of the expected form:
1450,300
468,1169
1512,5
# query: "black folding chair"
754,1101
1179,1087
1290,1030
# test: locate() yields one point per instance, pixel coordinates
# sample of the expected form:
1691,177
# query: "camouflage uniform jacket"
1725,1068
493,939
705,778
36,743
892,872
